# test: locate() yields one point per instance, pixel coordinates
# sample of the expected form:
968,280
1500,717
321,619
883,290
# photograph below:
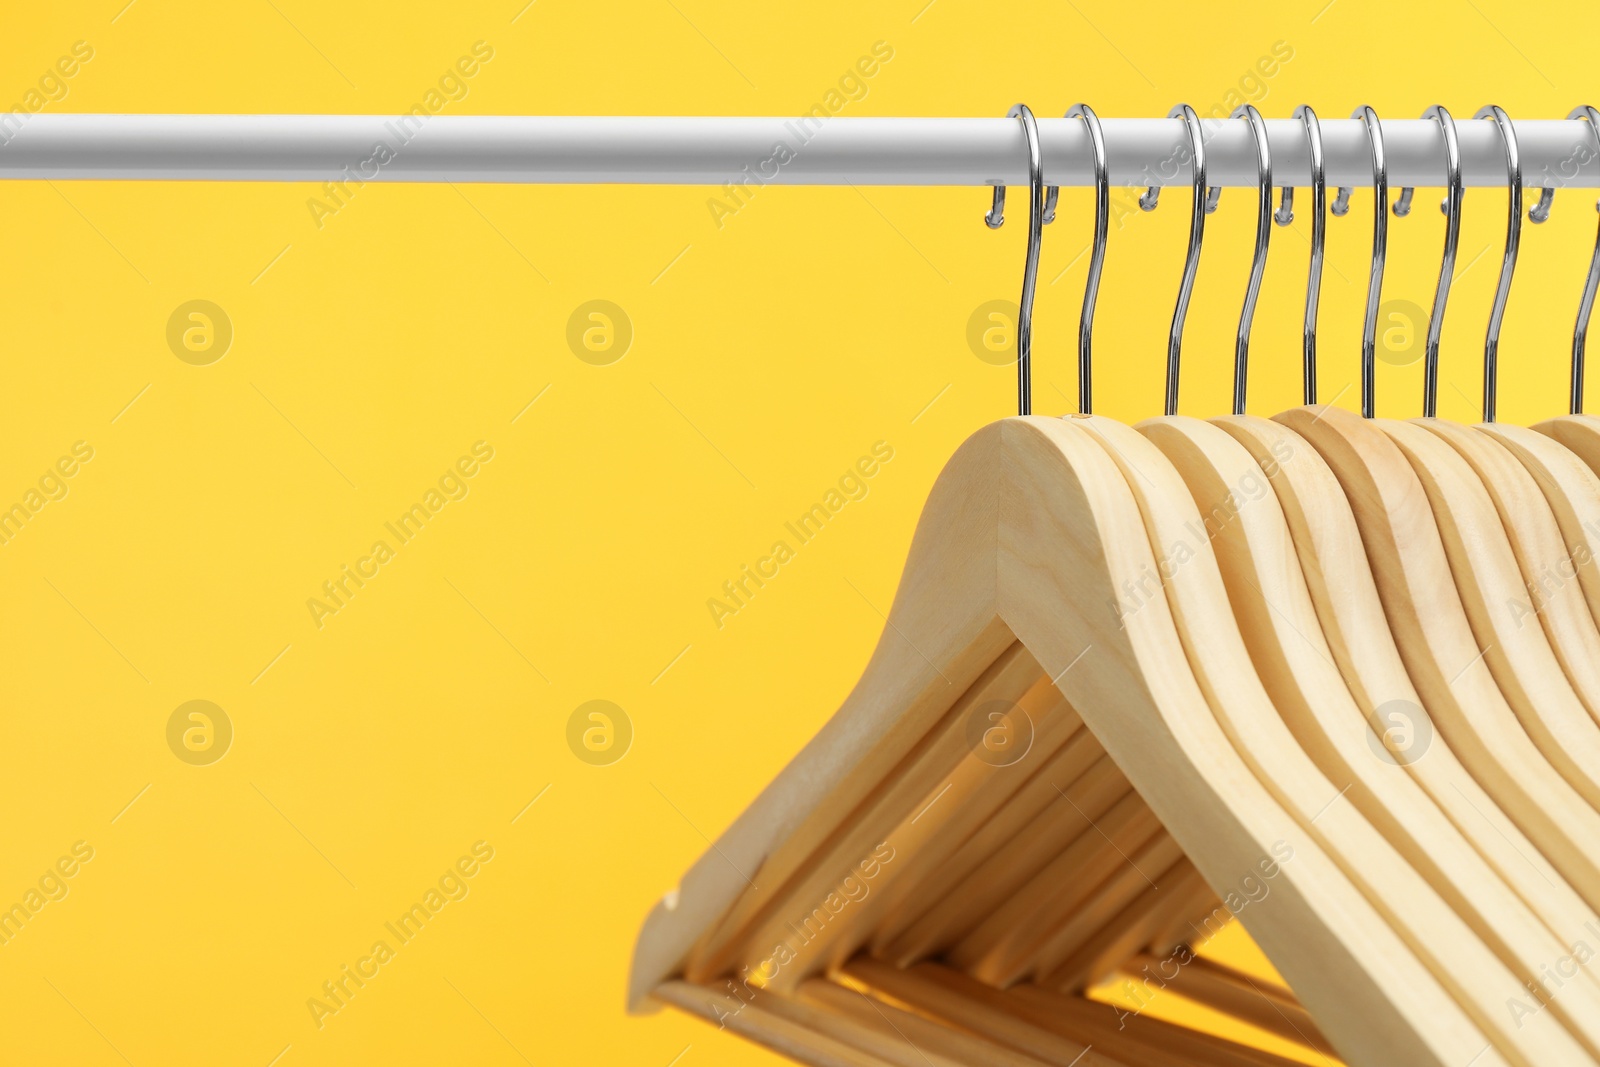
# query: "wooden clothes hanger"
1280,625
1463,494
1044,531
1425,609
1468,492
1183,735
1217,651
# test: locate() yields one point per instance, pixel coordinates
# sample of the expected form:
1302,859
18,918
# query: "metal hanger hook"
1580,329
1150,198
1319,241
1097,258
1341,199
1380,254
1030,273
1508,265
1197,232
1451,206
1258,261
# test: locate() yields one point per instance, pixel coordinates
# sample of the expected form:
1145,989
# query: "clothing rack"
817,150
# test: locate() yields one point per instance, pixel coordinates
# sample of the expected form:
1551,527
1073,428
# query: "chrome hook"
1097,258
1580,330
1258,262
1508,265
1380,252
1030,274
1451,206
1197,231
1319,240
1149,199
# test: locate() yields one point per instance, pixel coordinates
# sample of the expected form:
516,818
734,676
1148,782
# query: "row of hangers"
1042,202
1332,676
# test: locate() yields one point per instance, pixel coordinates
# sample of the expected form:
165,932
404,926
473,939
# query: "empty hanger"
1027,558
1225,471
1425,614
1529,515
1231,712
1481,557
1351,616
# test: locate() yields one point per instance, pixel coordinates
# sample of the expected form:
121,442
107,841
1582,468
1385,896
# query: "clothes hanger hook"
996,218
1508,265
1203,204
1097,258
1258,261
1380,252
1319,240
1580,329
1451,206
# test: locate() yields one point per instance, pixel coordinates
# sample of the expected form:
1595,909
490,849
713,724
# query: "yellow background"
768,354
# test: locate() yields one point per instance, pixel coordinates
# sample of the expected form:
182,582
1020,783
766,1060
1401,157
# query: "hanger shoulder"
946,609
1562,585
1064,540
1280,625
1429,624
1489,581
1350,611
1579,434
1445,944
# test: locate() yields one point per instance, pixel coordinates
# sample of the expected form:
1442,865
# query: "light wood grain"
1333,561
899,697
1130,894
1261,1004
1450,948
930,918
1067,816
1565,589
1066,494
1430,628
1067,540
1002,948
797,1041
945,994
1271,599
1488,580
909,1038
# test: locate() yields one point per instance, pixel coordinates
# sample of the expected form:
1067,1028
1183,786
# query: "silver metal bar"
806,150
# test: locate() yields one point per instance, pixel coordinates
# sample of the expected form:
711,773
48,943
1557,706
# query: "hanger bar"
717,151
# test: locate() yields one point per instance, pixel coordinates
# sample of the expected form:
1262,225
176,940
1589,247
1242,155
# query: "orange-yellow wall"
368,354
